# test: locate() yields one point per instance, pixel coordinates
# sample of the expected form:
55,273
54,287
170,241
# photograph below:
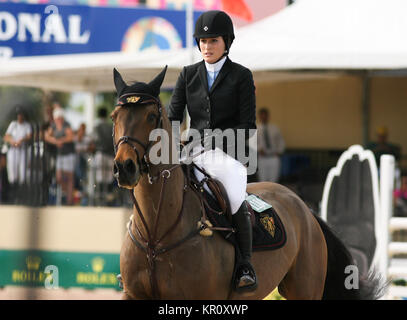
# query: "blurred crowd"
53,164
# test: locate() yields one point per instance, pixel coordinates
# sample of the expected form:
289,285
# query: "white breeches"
230,172
269,168
16,165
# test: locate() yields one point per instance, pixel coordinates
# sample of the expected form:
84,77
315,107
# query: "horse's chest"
175,275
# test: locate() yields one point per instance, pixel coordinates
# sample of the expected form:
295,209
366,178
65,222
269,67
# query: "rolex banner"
34,268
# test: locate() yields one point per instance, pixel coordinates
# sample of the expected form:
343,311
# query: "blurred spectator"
382,146
4,185
51,149
400,198
50,154
18,136
83,146
61,135
104,155
270,147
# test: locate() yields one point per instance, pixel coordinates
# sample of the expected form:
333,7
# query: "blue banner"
33,29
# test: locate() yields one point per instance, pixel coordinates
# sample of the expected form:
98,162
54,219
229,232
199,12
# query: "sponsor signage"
35,268
35,29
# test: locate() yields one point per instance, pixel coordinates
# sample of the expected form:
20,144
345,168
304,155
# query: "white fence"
392,268
396,268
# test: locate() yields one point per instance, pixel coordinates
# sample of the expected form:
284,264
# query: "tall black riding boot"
245,275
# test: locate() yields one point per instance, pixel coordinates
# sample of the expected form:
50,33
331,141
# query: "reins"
151,243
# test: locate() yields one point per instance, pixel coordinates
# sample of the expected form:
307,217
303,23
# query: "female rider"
220,94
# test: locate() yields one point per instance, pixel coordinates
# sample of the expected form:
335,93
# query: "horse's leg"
306,278
125,296
271,267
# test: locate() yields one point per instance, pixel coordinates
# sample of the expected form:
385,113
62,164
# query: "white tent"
327,34
308,35
94,72
89,72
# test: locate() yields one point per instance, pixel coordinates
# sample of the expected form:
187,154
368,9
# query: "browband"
137,98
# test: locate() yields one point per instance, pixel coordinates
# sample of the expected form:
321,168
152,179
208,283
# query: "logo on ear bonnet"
133,99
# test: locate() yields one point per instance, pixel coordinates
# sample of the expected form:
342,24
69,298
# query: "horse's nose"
116,169
129,167
125,172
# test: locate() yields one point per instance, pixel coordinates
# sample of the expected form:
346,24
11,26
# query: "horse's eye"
152,118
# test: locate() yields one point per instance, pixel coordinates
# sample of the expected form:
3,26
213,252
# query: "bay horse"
163,256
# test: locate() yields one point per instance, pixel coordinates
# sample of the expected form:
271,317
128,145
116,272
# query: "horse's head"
137,113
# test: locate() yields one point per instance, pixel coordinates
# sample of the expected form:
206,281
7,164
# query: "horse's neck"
165,201
161,206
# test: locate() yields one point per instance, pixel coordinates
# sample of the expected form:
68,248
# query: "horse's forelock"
113,115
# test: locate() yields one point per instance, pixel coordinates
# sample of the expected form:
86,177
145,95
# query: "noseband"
143,162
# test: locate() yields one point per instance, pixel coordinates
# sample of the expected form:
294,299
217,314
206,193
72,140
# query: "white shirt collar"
215,67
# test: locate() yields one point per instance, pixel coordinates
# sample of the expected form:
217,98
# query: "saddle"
268,230
217,190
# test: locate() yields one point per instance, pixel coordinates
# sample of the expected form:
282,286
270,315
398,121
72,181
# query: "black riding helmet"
212,24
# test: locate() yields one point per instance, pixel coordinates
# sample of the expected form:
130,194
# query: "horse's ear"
118,81
158,81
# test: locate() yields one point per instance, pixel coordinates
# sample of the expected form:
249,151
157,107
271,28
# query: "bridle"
142,161
151,244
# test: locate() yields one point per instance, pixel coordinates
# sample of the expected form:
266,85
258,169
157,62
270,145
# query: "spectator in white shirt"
18,135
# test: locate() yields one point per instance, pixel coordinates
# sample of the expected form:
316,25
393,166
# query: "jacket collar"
222,73
215,67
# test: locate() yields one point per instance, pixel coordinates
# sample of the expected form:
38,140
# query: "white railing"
397,291
397,248
392,268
